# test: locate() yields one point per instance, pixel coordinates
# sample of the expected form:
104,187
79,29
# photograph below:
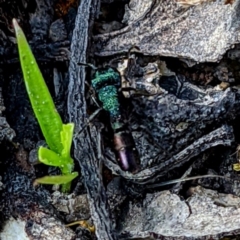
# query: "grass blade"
40,98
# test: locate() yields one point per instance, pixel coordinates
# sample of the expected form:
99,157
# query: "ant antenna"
88,65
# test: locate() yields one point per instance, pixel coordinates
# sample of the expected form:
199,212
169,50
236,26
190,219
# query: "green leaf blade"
49,157
40,98
66,139
59,179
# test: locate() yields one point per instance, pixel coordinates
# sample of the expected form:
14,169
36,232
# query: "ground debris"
164,214
34,217
200,33
75,207
6,132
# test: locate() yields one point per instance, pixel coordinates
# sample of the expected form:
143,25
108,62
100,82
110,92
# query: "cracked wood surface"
85,145
200,33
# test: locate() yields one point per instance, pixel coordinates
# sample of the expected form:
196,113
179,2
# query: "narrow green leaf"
40,98
49,157
66,138
59,179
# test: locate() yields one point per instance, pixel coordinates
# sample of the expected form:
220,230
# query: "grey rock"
201,33
201,215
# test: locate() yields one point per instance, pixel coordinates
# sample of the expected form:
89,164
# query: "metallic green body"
107,83
109,97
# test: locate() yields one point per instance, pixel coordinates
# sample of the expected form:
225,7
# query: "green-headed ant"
107,84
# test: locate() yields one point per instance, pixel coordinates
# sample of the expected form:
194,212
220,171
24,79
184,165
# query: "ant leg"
92,116
88,65
95,113
92,94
